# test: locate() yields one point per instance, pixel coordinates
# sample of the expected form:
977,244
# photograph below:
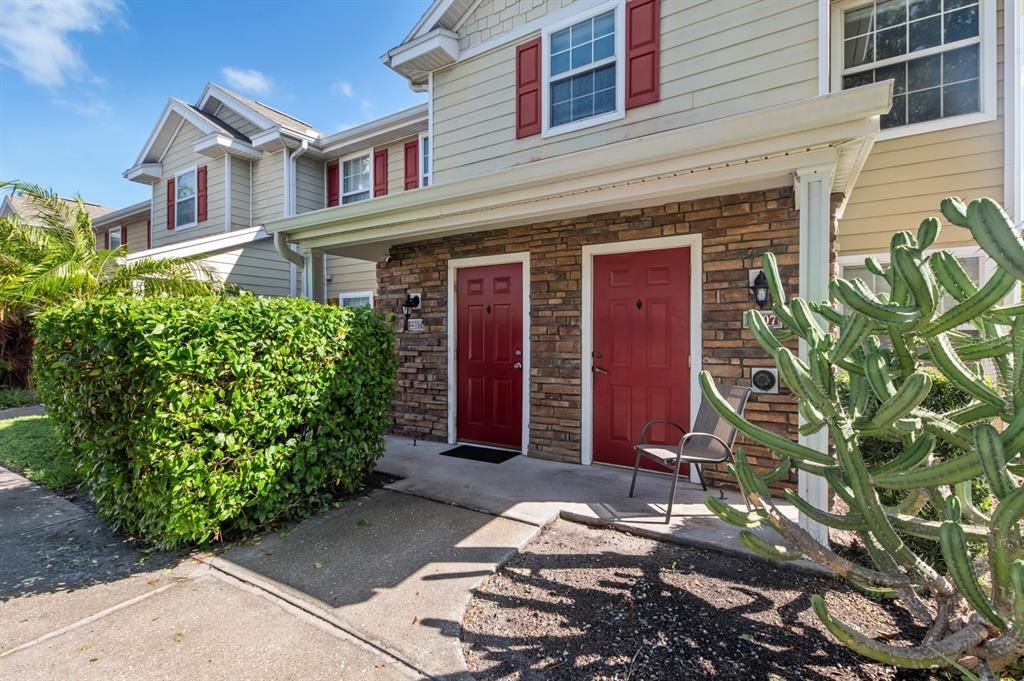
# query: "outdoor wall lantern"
760,290
412,302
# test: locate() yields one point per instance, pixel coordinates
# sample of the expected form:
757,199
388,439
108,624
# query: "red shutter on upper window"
528,79
412,164
201,194
106,240
170,204
149,234
333,184
380,172
124,235
643,45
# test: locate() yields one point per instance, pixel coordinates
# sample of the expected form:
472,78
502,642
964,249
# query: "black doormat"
484,454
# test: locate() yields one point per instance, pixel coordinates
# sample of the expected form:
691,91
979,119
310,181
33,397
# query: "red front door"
489,354
641,352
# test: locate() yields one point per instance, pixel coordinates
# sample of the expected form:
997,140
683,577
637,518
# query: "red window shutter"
643,47
170,204
124,235
412,164
380,172
149,234
528,82
106,240
201,194
333,184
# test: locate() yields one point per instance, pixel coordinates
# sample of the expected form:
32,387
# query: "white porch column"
814,191
313,276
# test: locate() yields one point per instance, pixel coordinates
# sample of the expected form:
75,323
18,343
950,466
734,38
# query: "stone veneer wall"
737,229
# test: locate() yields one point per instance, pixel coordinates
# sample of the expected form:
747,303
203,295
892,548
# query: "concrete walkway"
535,492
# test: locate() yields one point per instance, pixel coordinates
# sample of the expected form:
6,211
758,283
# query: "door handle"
598,370
517,365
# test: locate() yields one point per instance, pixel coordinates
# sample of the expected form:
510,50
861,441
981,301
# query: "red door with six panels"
641,354
489,354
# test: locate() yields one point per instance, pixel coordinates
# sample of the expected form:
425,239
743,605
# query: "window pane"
559,63
891,13
604,78
561,113
352,198
582,108
897,73
561,91
186,213
923,8
355,301
961,64
858,79
583,85
897,115
583,96
604,24
582,32
924,105
925,72
953,4
961,24
859,51
925,33
186,185
891,42
858,21
604,47
581,56
560,41
961,98
604,101
356,175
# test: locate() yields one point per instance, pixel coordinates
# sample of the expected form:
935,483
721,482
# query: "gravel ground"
582,603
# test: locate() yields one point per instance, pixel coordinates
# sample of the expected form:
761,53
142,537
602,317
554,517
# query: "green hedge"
196,417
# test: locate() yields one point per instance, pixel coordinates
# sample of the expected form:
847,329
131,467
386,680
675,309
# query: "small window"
582,68
357,299
114,238
930,49
425,161
356,179
185,201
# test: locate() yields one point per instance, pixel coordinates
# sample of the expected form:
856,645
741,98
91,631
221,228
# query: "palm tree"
54,258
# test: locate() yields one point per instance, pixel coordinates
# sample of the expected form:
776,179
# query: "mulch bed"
581,603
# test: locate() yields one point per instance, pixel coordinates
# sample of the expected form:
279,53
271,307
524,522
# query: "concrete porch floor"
535,491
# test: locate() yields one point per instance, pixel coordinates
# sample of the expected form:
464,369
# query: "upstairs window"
356,178
583,71
185,199
114,239
936,53
425,160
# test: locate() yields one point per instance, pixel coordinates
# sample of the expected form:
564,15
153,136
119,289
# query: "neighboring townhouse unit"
607,174
222,167
22,206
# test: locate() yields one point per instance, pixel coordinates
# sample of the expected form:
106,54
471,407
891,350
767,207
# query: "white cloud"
366,108
246,80
35,36
344,88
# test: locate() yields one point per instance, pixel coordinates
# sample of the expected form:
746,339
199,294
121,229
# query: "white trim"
227,100
824,46
454,265
110,232
987,38
228,208
425,178
170,141
203,245
1013,116
354,294
195,198
286,158
695,243
619,59
368,155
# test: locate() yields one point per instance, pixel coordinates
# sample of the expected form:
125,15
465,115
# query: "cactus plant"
973,610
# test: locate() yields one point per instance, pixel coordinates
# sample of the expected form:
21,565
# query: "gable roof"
262,115
444,14
176,111
22,205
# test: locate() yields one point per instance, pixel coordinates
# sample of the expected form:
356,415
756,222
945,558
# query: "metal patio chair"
710,441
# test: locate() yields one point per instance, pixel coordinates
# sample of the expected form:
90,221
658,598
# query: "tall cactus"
888,343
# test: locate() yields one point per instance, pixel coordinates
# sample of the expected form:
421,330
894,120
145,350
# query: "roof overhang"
278,137
380,132
121,215
202,246
216,144
144,173
756,150
418,57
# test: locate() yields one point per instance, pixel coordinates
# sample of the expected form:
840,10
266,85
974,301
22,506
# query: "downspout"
285,251
293,174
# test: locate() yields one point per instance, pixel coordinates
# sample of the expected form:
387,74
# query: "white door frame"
695,243
454,265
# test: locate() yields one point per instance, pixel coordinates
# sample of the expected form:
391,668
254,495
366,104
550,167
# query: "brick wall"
737,229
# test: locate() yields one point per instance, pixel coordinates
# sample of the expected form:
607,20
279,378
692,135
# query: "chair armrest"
687,436
647,426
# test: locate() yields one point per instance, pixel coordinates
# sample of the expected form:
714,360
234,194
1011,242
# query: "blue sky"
82,82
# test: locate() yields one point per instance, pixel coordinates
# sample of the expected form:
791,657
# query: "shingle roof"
278,117
23,206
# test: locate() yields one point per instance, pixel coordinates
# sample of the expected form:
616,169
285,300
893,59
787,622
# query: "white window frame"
987,64
619,60
368,155
354,294
426,178
195,197
110,238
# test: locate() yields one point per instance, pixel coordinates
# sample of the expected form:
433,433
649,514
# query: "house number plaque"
416,325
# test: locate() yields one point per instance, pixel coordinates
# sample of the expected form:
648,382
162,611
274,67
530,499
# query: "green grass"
28,446
16,397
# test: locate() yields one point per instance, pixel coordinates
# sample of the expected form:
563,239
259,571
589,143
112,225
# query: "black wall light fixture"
760,290
412,302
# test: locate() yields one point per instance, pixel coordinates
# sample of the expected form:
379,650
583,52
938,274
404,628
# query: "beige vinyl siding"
137,235
718,58
396,165
268,188
242,125
309,185
905,178
254,267
241,196
349,275
180,157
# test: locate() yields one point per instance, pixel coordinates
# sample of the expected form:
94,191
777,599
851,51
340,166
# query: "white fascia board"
217,144
144,173
429,19
175,106
203,245
240,108
125,214
424,54
378,128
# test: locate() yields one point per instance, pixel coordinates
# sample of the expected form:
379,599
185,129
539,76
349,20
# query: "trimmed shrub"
195,417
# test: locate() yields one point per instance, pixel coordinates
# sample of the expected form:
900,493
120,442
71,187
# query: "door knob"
598,370
517,365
